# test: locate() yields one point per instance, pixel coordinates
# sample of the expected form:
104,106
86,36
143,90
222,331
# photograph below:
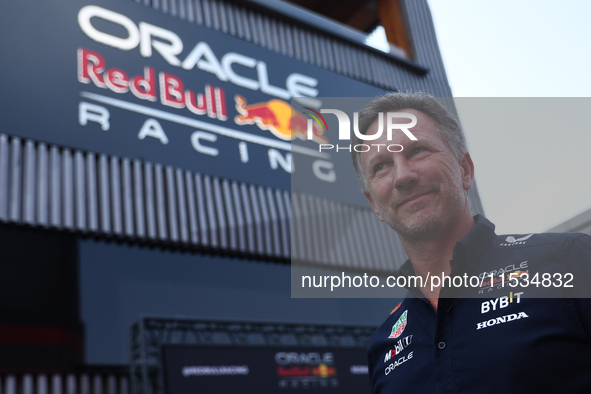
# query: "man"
448,339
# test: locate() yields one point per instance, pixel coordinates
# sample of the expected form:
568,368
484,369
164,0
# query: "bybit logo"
501,302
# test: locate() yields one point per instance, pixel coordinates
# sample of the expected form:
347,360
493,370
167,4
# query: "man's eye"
378,167
417,150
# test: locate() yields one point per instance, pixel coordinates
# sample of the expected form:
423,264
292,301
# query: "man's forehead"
425,126
403,119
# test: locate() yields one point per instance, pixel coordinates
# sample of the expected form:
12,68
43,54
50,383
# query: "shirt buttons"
441,345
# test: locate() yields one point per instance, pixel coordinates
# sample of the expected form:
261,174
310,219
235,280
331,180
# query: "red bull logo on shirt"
278,117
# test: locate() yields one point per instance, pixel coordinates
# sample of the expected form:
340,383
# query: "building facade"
147,168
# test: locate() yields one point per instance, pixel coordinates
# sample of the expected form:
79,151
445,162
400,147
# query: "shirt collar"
468,249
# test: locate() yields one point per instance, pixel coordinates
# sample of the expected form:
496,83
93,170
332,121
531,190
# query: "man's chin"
418,225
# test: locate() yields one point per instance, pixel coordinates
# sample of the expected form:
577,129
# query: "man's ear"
467,167
373,205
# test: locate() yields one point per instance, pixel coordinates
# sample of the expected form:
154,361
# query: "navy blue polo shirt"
503,342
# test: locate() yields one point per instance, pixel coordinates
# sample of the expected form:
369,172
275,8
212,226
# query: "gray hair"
450,128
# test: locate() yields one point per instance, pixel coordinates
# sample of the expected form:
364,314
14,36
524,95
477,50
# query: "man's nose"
405,173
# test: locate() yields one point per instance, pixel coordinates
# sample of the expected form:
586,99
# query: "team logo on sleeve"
511,240
399,326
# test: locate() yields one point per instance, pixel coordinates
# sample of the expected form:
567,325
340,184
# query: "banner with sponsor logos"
116,77
226,369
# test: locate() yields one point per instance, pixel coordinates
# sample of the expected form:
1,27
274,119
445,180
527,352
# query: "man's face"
419,192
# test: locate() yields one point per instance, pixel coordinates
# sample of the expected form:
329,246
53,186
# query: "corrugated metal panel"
274,220
150,204
248,219
211,226
161,213
192,208
232,222
55,182
42,185
92,209
127,187
182,207
343,220
4,176
15,180
201,212
39,383
29,183
68,189
80,189
104,195
138,201
171,194
283,224
257,221
265,220
116,196
218,207
298,233
240,222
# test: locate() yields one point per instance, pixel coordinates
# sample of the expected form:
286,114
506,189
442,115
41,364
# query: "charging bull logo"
279,118
324,371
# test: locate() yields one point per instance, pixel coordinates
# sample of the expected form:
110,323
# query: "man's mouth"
413,197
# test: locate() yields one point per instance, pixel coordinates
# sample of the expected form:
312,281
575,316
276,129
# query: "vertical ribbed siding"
192,209
55,208
182,207
138,200
148,192
15,180
92,193
4,176
96,383
338,235
127,198
43,186
68,190
116,198
29,183
172,205
103,195
79,190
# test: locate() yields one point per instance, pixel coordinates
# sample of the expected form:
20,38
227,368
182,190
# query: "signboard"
116,77
226,369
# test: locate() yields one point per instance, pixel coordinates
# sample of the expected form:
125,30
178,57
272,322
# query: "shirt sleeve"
370,368
578,263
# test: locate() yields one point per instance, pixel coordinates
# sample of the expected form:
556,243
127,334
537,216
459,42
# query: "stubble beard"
424,225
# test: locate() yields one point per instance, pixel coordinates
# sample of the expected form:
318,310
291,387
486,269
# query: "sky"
532,167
